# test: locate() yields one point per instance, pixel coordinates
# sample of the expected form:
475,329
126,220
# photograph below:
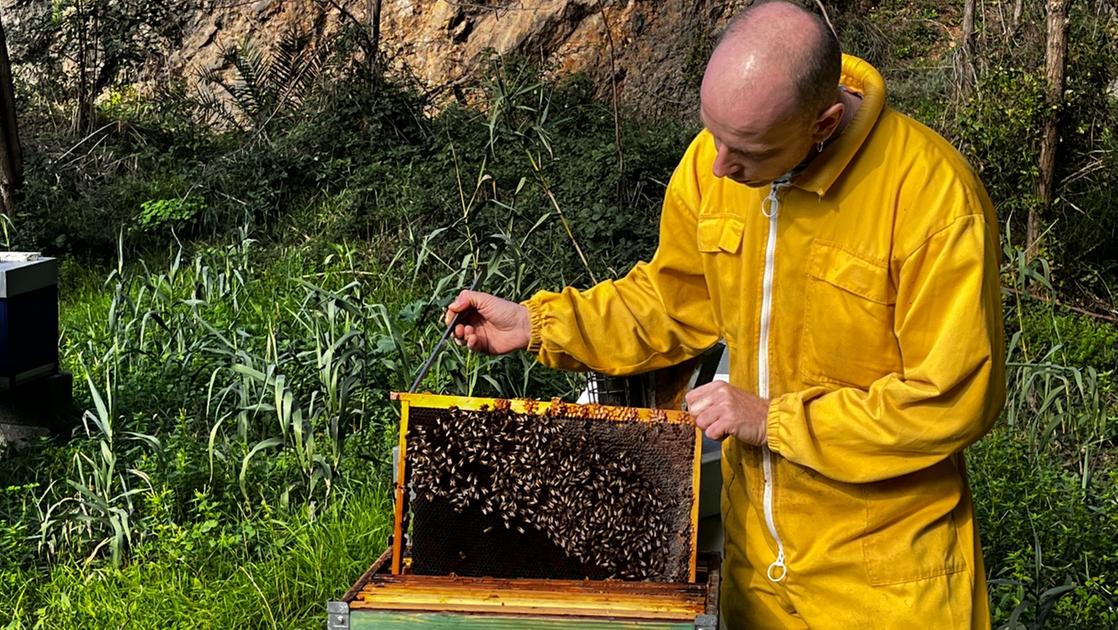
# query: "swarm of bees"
582,483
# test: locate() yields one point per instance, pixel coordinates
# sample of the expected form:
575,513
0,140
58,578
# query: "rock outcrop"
655,48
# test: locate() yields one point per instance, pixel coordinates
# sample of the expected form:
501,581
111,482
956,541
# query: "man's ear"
827,122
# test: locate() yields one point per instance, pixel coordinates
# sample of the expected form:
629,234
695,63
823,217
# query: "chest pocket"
720,244
720,234
848,336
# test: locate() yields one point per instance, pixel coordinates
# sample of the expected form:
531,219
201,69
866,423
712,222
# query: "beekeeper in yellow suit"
848,256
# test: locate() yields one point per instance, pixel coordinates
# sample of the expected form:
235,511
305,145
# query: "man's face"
755,152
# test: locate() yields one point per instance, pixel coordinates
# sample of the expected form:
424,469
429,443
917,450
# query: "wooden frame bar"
401,493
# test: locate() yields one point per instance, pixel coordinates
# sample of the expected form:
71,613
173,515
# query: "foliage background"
249,269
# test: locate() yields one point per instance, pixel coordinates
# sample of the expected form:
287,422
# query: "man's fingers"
701,397
698,400
464,302
712,419
697,404
706,418
451,313
707,389
702,421
476,343
717,430
470,299
462,331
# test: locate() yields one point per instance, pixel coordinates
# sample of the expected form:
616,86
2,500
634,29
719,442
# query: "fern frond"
214,108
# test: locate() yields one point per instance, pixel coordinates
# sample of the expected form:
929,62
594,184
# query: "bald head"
770,94
780,49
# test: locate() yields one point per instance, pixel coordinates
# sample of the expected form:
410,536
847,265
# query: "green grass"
230,469
218,586
1045,527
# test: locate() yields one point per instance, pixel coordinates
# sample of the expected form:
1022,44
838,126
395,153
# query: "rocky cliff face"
656,48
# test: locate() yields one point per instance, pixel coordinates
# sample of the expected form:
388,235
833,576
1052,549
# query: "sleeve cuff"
772,428
535,316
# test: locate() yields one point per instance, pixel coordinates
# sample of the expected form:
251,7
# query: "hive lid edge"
18,277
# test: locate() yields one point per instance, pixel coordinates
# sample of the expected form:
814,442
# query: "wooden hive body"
382,601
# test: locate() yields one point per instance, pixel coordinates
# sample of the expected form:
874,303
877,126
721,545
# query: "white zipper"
777,569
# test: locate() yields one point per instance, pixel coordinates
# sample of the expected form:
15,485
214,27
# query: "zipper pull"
777,570
770,207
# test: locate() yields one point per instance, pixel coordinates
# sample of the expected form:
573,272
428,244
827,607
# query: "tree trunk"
11,156
1056,52
967,74
373,11
84,109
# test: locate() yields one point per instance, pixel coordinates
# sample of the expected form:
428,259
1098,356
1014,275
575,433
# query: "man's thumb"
462,302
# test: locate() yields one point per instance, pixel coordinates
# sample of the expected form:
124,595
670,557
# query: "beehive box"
519,514
28,318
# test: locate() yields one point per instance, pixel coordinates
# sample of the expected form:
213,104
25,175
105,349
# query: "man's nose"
723,166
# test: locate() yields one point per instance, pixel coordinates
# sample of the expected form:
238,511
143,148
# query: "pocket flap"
720,234
850,272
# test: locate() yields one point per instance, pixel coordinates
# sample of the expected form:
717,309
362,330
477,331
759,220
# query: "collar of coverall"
860,77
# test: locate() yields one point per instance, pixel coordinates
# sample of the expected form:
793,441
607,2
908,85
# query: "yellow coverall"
862,298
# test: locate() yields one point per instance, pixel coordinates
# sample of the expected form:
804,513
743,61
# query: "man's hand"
721,410
490,325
